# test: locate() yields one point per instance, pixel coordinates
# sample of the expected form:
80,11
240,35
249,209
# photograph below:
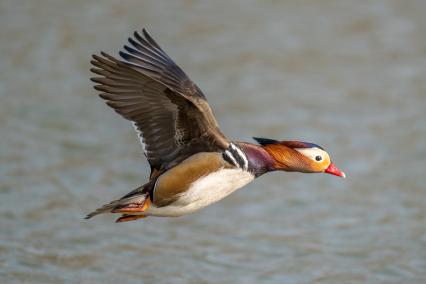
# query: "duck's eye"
318,158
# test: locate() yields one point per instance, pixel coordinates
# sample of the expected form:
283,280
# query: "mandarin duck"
192,163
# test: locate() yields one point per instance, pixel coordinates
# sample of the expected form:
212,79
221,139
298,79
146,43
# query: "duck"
193,164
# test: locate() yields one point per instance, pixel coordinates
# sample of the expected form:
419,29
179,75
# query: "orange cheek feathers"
288,159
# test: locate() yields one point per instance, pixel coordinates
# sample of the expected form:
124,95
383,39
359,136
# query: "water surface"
347,75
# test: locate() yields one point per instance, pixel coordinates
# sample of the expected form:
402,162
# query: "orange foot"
127,218
132,208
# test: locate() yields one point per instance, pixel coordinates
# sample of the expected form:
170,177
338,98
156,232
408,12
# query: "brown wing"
169,112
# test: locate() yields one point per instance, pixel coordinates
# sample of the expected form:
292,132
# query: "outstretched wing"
169,112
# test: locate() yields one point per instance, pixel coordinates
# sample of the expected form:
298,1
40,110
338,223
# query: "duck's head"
297,156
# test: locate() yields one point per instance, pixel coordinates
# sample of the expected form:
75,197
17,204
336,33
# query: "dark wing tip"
99,88
90,215
145,33
125,55
97,57
264,141
103,56
95,79
108,97
150,39
97,71
110,57
105,96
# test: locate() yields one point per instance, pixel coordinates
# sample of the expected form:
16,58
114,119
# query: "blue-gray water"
348,75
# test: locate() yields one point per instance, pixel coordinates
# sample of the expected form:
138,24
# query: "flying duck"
192,163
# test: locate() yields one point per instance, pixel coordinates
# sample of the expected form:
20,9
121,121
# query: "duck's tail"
134,204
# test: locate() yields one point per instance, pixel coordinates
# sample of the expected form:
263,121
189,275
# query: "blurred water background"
348,75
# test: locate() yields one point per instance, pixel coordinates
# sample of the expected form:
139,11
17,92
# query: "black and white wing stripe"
234,155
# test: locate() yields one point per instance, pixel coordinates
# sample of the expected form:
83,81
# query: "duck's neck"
260,161
273,157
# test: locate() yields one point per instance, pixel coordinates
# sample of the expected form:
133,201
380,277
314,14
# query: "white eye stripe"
313,153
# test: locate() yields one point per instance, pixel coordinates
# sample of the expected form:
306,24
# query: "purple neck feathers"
260,161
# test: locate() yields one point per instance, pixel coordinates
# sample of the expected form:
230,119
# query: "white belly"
204,191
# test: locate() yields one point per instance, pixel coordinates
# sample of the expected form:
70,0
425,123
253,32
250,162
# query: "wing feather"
169,112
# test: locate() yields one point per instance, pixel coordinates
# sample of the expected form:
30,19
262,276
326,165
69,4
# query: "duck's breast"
205,191
215,186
